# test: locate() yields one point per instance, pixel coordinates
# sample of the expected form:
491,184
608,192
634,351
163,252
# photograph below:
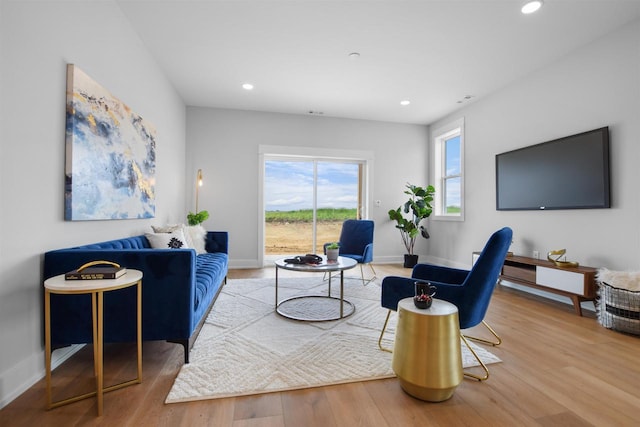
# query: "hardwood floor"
558,369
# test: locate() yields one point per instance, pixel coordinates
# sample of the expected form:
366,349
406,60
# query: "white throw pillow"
197,233
170,228
174,240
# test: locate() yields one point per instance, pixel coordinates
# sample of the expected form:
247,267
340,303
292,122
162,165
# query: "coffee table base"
315,308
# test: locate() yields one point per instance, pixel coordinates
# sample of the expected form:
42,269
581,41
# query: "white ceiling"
296,53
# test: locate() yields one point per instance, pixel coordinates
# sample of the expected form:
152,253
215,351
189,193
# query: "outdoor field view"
292,189
290,232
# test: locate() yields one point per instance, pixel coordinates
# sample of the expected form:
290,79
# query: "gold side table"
426,356
97,288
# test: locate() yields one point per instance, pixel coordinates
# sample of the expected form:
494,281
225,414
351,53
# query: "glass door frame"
284,153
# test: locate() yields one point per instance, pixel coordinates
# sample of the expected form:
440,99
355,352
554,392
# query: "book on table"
96,270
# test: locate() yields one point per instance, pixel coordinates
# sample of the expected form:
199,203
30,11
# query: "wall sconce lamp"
198,185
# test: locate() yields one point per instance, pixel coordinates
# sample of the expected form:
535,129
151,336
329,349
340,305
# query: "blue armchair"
470,290
356,242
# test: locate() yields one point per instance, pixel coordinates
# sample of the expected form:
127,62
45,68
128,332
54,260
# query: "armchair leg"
497,342
386,321
482,365
365,282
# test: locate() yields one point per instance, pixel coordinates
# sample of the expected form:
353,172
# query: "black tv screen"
566,173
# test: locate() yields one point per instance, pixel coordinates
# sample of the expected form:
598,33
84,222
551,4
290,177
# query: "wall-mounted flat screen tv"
566,173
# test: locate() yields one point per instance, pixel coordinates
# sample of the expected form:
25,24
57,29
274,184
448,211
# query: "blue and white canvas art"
110,155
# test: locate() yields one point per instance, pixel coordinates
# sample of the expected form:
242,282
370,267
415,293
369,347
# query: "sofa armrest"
217,241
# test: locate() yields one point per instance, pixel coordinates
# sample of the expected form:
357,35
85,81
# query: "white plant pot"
332,254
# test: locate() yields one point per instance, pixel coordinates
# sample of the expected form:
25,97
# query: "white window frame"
439,137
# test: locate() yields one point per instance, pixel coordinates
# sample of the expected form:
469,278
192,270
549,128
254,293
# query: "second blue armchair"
356,242
470,290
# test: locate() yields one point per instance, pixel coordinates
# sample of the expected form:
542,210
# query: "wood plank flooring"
558,369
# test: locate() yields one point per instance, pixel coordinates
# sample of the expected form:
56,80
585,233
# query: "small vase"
332,254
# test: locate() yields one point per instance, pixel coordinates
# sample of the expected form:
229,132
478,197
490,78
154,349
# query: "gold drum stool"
426,355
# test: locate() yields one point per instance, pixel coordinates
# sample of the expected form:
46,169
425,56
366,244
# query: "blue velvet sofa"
178,290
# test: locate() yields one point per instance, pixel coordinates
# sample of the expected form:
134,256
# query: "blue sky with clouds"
453,165
289,185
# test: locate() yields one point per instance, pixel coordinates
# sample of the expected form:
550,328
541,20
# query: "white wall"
598,85
224,144
38,40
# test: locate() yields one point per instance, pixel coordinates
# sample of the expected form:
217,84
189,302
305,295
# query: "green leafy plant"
197,218
333,245
419,208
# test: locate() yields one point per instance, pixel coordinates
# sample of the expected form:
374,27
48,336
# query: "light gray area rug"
246,348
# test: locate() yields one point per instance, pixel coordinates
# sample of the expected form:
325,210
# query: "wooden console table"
577,283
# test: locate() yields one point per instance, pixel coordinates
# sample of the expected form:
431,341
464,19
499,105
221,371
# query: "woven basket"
619,309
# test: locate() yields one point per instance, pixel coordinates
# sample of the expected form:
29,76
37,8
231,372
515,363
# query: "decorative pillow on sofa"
170,228
197,233
174,240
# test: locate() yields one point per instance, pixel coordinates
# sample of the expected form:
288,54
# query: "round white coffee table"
316,308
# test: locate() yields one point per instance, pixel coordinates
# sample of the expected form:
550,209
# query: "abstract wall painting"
110,155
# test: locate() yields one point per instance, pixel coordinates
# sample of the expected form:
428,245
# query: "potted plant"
419,208
197,218
333,251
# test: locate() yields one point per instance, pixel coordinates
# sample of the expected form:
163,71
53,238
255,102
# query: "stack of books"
96,270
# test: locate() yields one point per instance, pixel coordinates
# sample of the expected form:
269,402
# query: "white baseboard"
31,370
244,263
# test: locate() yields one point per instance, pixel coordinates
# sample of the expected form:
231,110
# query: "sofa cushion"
211,268
174,240
196,235
169,228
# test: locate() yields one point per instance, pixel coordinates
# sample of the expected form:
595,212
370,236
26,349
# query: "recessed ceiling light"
405,102
531,6
247,86
354,55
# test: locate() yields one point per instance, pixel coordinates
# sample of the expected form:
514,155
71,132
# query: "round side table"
426,356
97,288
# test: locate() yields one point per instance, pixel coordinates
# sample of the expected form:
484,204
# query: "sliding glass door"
289,207
306,199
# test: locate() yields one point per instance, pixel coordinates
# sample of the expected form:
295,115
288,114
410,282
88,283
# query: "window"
448,142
